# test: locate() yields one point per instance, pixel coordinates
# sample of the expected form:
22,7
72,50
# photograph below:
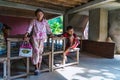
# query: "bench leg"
28,66
78,56
50,63
4,70
64,59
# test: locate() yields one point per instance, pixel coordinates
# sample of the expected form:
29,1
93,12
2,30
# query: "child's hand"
26,39
78,38
51,36
61,36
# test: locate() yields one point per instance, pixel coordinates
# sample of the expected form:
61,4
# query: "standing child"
71,40
39,28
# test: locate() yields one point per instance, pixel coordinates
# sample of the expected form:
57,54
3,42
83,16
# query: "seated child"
71,40
4,29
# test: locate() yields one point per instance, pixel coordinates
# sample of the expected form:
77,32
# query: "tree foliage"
56,24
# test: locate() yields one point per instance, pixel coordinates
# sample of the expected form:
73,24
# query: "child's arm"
49,31
76,43
71,39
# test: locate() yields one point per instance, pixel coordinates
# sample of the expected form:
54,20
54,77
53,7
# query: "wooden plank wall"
104,49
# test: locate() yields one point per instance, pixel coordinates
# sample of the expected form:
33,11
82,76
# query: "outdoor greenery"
56,24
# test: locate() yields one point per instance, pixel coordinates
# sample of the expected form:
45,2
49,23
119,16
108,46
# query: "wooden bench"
61,51
51,53
56,51
9,58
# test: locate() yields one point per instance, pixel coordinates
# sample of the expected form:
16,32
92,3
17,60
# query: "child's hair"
7,27
69,28
38,10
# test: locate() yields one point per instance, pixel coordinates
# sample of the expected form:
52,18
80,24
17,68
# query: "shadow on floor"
93,67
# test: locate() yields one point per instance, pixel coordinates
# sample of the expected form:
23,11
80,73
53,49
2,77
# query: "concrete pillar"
114,28
98,25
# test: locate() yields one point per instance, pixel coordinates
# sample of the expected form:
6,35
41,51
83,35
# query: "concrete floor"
91,67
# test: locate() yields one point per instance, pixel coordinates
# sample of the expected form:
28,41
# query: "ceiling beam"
56,2
28,7
82,1
88,6
6,11
69,2
40,4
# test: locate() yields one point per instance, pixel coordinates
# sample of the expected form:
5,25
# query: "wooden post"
64,43
52,55
81,43
3,60
8,58
4,69
28,65
77,55
50,65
